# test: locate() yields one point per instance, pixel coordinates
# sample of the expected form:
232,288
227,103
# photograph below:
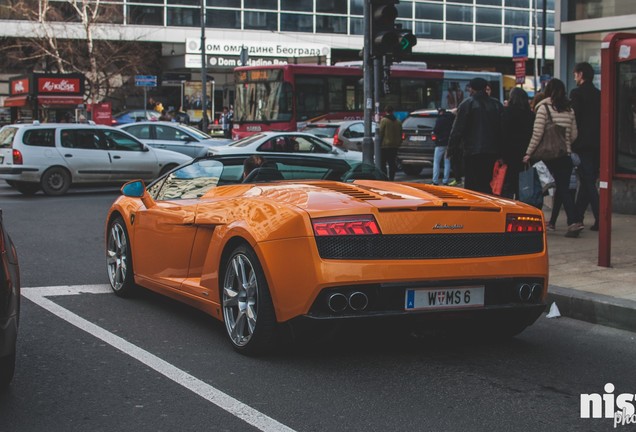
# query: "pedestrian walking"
586,102
226,122
556,108
517,121
442,130
390,131
477,132
557,203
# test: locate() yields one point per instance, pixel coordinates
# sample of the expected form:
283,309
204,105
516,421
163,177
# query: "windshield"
321,131
419,123
246,141
263,102
196,132
6,136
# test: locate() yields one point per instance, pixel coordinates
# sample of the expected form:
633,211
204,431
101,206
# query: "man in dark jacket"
586,102
477,132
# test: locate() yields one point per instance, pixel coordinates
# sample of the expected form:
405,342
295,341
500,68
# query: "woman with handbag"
552,136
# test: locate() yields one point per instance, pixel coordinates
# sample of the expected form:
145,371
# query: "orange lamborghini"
310,239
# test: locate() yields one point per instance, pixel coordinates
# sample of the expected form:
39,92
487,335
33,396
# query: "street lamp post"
204,72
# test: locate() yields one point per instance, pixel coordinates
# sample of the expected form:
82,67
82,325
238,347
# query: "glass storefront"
591,9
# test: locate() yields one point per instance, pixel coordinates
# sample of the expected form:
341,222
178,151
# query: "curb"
595,308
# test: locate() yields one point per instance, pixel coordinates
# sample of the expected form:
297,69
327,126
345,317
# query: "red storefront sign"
20,87
58,85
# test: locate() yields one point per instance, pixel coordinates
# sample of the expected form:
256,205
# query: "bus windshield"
263,102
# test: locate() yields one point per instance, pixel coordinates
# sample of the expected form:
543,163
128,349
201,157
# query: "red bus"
287,97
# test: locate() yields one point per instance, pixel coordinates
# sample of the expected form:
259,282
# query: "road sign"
520,71
146,80
520,46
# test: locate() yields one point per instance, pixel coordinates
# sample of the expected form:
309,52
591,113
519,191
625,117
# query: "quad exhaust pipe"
338,302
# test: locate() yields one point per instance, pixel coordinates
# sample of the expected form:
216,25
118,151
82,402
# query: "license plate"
418,138
444,298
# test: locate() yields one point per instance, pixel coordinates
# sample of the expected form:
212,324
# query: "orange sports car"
309,239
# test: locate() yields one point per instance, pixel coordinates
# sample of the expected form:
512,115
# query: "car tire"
24,188
119,259
55,181
412,170
7,369
248,311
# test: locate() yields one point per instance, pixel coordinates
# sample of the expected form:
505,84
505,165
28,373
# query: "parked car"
9,305
418,141
286,142
52,156
132,116
174,137
313,248
346,134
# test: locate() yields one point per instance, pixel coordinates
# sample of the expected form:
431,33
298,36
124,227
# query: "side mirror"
133,189
137,189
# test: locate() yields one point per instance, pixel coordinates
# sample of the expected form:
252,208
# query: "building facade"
452,34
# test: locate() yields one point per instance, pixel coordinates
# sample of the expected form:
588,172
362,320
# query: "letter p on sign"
520,46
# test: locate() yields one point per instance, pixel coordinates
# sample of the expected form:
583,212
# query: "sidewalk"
583,290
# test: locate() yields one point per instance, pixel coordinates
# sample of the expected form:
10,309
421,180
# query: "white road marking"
233,406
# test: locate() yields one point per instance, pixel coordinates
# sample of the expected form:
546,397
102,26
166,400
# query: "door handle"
116,157
68,155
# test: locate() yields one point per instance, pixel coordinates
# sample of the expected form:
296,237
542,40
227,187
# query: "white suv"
52,156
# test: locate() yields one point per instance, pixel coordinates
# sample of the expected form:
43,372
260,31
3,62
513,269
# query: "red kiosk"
45,97
618,127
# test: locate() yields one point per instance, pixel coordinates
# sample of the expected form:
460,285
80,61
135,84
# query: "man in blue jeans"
442,130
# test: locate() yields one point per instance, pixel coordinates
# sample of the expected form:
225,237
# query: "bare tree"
73,36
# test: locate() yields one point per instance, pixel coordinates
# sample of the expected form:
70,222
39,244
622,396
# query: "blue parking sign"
520,46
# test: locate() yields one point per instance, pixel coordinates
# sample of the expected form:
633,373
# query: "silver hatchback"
52,156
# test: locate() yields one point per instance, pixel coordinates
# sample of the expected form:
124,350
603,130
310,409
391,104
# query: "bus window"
263,101
310,97
336,102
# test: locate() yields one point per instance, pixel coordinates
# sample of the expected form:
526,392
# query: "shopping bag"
530,190
498,177
545,177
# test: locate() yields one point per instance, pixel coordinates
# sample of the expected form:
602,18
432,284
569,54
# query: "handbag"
530,190
552,145
498,176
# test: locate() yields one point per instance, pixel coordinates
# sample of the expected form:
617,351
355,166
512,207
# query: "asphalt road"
90,361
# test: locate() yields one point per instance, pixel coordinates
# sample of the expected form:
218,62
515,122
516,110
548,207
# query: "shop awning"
16,101
60,100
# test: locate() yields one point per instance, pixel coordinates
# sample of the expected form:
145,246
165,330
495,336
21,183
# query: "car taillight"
336,139
523,223
346,225
403,136
434,137
17,157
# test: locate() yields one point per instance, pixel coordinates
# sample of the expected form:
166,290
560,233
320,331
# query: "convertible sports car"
316,241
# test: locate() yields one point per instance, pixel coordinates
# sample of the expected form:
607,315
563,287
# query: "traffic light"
407,41
384,37
387,37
